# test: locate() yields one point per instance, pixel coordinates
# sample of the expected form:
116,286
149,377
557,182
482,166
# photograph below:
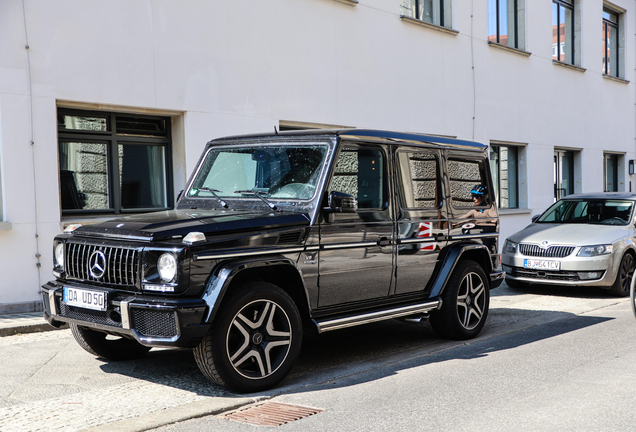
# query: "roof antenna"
275,130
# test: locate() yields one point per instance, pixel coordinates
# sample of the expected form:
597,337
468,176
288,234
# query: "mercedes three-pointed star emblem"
97,264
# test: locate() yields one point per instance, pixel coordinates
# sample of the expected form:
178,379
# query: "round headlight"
167,266
59,255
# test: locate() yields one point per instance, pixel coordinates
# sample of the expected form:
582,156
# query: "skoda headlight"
592,251
509,247
59,255
167,267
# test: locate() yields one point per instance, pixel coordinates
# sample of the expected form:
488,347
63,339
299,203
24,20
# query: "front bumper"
152,321
573,270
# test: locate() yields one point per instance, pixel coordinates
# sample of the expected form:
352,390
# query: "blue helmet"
479,190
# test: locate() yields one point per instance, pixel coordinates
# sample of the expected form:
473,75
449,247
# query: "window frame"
497,182
113,140
572,6
616,159
616,25
445,12
518,24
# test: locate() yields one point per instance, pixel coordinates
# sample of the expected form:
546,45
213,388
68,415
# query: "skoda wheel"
106,346
624,277
254,339
465,303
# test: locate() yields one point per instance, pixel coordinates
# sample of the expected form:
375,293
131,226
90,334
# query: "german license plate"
542,264
87,299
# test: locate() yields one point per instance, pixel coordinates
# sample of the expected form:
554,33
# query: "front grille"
154,323
121,264
547,275
551,252
89,315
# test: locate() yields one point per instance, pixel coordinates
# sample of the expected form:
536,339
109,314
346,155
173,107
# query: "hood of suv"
571,234
178,223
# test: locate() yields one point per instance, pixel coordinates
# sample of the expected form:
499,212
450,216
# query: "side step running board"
369,317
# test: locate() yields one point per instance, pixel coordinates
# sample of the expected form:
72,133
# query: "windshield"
288,171
589,211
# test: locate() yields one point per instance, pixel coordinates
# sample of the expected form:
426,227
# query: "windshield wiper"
259,196
213,192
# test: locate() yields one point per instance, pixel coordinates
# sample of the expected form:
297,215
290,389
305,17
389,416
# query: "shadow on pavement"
384,348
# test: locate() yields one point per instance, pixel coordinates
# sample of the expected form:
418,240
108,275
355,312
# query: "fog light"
590,275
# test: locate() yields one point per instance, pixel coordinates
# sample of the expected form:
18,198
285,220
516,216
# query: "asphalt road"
548,359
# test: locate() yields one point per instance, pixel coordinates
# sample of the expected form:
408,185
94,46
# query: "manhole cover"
271,414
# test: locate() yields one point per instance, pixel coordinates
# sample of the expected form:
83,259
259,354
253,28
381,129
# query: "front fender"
223,274
452,257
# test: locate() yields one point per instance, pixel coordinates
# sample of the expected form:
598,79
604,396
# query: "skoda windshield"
273,174
589,211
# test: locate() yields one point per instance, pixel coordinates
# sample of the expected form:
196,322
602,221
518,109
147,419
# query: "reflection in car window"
359,172
277,171
589,211
464,175
420,180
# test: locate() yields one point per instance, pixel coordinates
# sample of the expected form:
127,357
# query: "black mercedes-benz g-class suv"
280,233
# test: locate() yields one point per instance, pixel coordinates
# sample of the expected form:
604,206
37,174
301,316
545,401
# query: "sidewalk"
31,322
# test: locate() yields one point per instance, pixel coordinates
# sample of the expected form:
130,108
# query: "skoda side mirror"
535,218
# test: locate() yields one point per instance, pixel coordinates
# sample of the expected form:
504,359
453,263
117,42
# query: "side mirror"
179,195
339,202
535,218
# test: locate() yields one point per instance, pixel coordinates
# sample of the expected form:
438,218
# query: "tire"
624,277
512,283
465,303
117,349
254,340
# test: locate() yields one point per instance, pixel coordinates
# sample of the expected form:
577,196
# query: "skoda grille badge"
97,264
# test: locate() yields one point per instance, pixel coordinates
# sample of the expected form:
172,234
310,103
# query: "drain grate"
271,414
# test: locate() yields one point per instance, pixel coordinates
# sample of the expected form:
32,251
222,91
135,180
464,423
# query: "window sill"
613,78
5,226
513,211
510,49
568,66
428,25
348,2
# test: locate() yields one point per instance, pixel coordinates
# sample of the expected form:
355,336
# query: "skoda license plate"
87,299
541,264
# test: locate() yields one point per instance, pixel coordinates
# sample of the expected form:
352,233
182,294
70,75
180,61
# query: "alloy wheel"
471,299
259,339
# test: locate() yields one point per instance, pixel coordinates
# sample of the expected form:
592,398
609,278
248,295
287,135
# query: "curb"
32,328
170,416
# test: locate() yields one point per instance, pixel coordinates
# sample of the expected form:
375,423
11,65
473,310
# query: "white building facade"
105,106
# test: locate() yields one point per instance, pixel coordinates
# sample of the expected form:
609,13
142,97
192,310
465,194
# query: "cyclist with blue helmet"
479,194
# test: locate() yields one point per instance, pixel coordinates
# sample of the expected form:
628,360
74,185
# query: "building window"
114,162
563,31
506,22
610,172
563,173
437,12
504,164
611,44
